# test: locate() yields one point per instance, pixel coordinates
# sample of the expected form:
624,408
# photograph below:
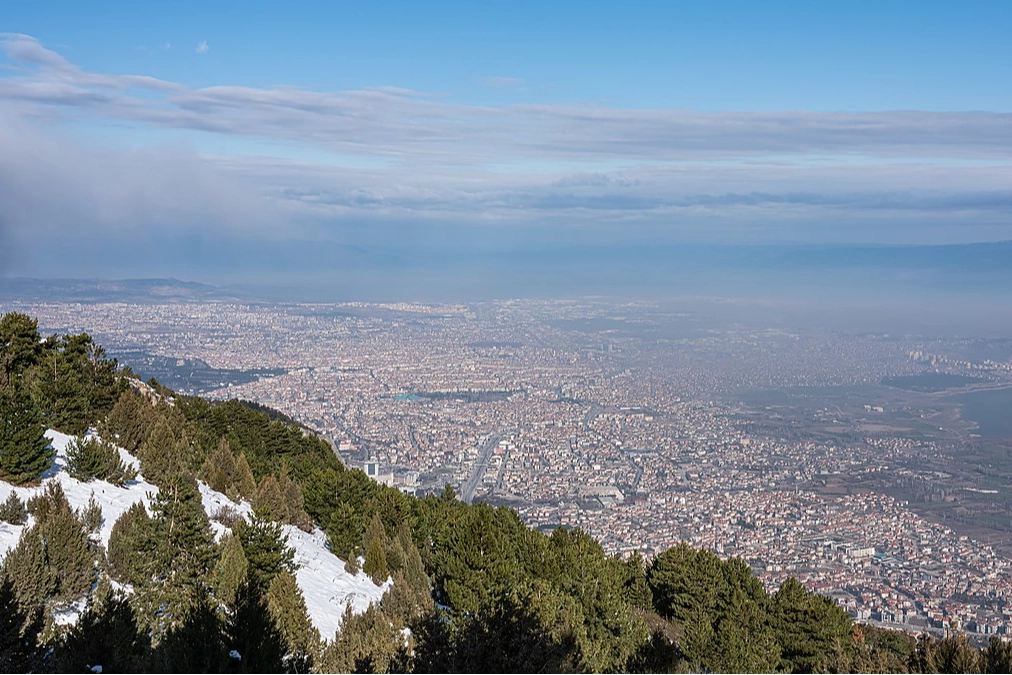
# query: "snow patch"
326,586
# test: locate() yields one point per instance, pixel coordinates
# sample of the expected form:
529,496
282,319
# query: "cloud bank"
388,168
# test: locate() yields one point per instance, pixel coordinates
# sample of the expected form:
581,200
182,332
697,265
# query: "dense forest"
473,588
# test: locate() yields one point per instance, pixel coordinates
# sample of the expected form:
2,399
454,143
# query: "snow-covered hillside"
327,587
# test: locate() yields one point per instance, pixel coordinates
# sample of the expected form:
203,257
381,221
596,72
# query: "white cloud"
382,155
203,47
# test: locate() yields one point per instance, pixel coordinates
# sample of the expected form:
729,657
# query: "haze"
853,156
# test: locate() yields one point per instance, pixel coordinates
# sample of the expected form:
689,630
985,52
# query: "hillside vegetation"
469,587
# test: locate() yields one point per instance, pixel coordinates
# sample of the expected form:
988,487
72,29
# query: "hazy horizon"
456,152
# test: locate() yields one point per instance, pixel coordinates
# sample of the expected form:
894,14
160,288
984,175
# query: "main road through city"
478,471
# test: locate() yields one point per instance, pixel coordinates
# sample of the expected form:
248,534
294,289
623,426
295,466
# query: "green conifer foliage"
67,551
133,546
195,644
269,502
813,631
20,627
73,383
295,503
365,643
91,516
219,470
375,551
254,635
997,656
90,458
266,550
344,532
244,478
13,510
186,542
231,570
129,421
288,609
19,346
27,567
107,635
163,454
25,452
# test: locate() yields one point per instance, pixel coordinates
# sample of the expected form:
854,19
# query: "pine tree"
266,549
129,421
195,644
19,631
90,458
219,469
163,453
13,510
254,635
19,346
27,567
269,501
996,657
375,551
68,556
25,452
288,609
186,542
375,564
106,635
295,503
133,546
365,643
91,516
344,532
231,570
244,478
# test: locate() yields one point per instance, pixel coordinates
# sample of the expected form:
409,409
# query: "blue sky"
386,127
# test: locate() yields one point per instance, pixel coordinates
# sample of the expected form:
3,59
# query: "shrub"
13,510
90,458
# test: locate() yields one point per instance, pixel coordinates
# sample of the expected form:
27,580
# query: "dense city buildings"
854,462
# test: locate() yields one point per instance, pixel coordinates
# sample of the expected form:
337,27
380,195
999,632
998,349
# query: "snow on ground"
326,585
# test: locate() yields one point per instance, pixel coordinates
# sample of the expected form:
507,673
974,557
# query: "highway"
478,470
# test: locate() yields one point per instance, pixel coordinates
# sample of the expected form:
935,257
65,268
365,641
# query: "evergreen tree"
269,501
90,458
198,643
13,510
244,478
28,569
344,532
219,470
365,643
375,551
163,454
186,543
129,420
25,452
996,657
254,635
288,609
295,503
813,631
20,627
91,516
231,570
133,547
19,346
106,635
68,554
266,550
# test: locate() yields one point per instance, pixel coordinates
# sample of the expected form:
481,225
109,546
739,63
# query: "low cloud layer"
380,167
